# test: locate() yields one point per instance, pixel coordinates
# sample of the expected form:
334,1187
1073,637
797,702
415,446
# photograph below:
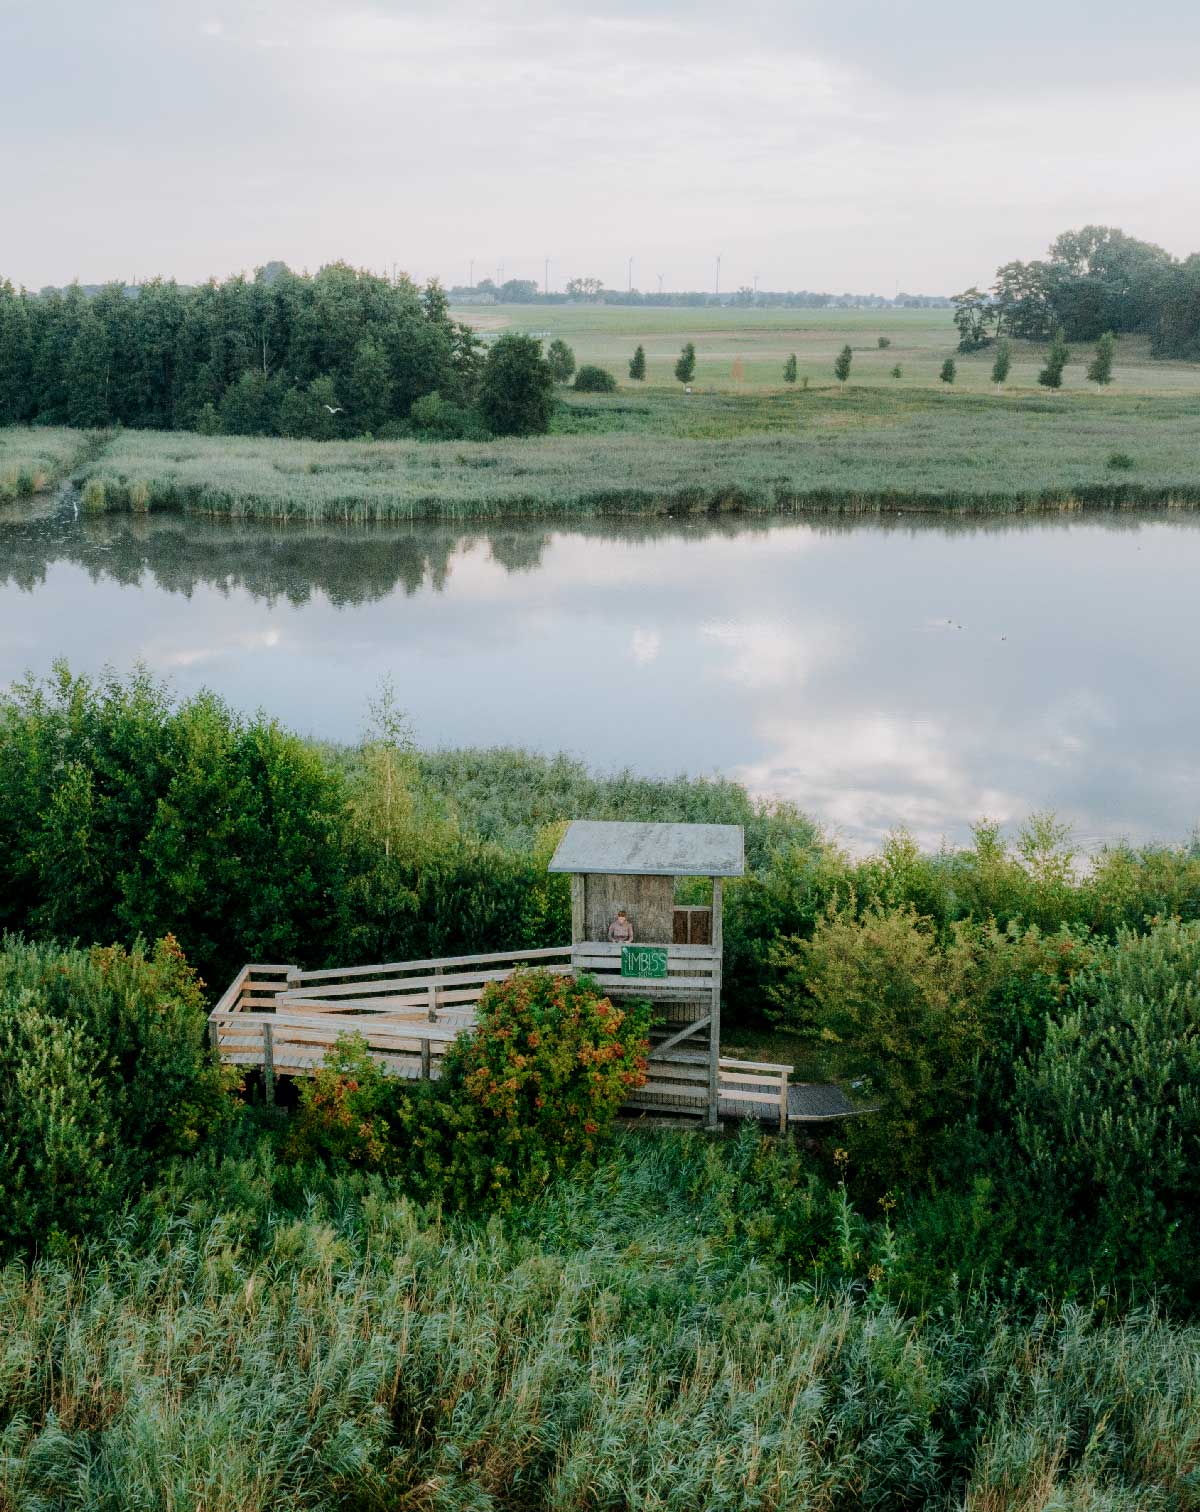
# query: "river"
916,671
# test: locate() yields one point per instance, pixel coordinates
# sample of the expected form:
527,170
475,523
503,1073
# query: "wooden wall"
649,902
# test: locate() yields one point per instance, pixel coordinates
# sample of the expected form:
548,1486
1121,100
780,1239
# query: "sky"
865,147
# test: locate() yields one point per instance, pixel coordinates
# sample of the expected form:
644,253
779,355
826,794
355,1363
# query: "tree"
584,288
561,359
368,393
897,371
87,374
841,367
1002,364
789,369
883,343
1056,360
1100,368
949,371
637,363
685,368
516,387
973,313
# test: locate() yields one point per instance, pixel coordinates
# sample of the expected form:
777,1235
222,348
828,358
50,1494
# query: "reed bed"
857,453
616,1346
34,460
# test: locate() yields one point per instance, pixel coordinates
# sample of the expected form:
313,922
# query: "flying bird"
333,411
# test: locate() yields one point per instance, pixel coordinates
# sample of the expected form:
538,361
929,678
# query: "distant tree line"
1092,281
337,353
592,291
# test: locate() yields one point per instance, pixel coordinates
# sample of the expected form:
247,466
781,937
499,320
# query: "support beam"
578,910
680,1034
269,1062
714,1029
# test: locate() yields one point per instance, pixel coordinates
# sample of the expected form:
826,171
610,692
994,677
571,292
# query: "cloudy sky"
862,145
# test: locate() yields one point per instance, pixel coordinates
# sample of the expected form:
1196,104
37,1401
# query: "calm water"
910,672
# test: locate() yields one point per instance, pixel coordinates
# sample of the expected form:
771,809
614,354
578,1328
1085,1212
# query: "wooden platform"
282,1021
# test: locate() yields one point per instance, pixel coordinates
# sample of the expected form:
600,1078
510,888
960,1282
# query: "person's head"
620,913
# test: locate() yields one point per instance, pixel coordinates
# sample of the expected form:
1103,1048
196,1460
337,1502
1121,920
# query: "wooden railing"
284,1021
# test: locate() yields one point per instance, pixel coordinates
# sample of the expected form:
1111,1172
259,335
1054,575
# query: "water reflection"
914,669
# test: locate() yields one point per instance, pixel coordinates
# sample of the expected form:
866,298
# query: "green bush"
104,1075
347,1112
531,1092
516,387
1105,1112
594,380
898,1012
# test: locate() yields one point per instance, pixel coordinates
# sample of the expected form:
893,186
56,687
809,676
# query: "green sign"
644,960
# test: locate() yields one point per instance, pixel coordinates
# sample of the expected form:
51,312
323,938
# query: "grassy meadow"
920,341
860,451
33,460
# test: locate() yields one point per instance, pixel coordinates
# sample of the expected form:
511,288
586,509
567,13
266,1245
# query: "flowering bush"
347,1110
532,1091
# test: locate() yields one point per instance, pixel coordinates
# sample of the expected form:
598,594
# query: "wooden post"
714,1028
435,1000
578,912
214,1037
424,1060
269,1062
783,1102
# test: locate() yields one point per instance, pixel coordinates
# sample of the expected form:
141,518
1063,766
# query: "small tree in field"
562,361
789,369
1101,366
516,387
637,364
949,371
883,343
685,368
897,371
1002,364
1057,358
841,367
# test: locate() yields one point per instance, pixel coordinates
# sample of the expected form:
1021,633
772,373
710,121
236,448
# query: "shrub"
949,370
1121,461
347,1111
637,364
789,368
1106,1111
594,380
897,1010
531,1091
104,1075
883,343
897,371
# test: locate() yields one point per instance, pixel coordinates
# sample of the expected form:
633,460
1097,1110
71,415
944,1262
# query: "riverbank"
859,452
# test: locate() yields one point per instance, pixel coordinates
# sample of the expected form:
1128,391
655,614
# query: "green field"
921,340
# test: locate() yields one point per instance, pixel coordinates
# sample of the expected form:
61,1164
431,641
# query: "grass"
761,340
31,461
860,451
249,1339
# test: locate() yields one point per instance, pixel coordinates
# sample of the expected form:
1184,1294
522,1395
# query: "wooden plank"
608,949
269,1062
578,895
231,997
741,1065
542,953
364,988
343,1024
672,1090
